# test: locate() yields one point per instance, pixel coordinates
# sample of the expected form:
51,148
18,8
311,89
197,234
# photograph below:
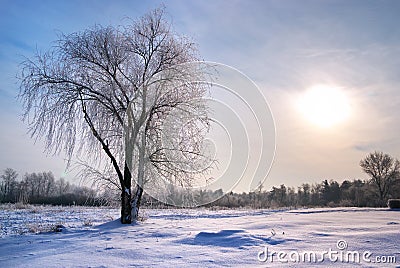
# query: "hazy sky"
285,47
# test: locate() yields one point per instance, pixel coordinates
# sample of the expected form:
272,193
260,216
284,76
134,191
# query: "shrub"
346,203
88,223
393,203
38,228
21,205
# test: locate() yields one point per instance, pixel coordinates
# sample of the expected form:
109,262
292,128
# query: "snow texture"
193,238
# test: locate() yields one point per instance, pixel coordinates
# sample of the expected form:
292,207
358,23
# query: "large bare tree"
384,171
106,93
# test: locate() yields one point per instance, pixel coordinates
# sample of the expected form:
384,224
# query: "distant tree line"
384,184
43,188
355,193
384,170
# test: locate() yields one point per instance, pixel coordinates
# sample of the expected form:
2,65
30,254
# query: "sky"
285,47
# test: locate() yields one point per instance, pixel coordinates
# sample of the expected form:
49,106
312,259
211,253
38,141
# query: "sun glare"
324,105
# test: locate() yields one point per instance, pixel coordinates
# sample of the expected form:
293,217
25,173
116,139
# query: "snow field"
205,238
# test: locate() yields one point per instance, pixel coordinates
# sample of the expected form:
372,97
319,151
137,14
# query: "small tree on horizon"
384,171
8,185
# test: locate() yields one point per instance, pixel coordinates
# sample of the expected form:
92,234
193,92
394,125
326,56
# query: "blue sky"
285,47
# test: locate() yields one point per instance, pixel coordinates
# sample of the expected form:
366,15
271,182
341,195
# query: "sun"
324,105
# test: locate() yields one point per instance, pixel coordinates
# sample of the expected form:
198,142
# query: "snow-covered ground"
93,237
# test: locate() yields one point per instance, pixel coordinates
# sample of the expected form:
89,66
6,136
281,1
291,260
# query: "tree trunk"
126,205
140,180
126,217
136,202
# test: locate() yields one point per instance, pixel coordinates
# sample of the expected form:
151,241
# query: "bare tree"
384,171
77,96
8,185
